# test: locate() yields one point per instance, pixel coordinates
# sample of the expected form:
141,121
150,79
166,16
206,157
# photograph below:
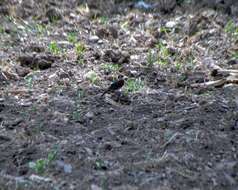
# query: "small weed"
163,50
151,58
178,66
2,30
72,37
163,54
125,25
40,29
103,20
92,77
41,165
110,67
189,60
134,85
38,166
235,55
80,49
29,81
164,30
54,48
231,29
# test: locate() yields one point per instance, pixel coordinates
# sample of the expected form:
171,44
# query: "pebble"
170,24
93,39
89,115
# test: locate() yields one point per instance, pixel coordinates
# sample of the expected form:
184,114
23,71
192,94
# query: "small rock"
89,115
170,24
67,167
143,5
37,178
93,39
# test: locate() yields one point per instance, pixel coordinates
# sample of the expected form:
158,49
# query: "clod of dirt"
35,48
53,14
4,10
113,31
232,62
121,98
102,32
22,71
196,77
4,139
12,124
116,56
41,62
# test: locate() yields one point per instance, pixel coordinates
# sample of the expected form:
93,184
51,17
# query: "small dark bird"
115,85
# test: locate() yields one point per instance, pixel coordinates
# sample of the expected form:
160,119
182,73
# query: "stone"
93,39
170,24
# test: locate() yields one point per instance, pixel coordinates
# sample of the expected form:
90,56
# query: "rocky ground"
57,132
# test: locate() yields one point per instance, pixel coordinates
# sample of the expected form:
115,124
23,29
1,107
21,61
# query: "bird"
116,85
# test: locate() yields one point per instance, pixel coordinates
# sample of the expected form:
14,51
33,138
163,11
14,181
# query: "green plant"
235,55
110,67
2,30
92,77
178,66
134,85
231,29
80,49
164,30
54,48
151,58
72,37
29,81
40,165
103,20
40,29
163,54
163,50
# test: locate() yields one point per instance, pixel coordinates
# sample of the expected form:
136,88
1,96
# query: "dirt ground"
158,133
